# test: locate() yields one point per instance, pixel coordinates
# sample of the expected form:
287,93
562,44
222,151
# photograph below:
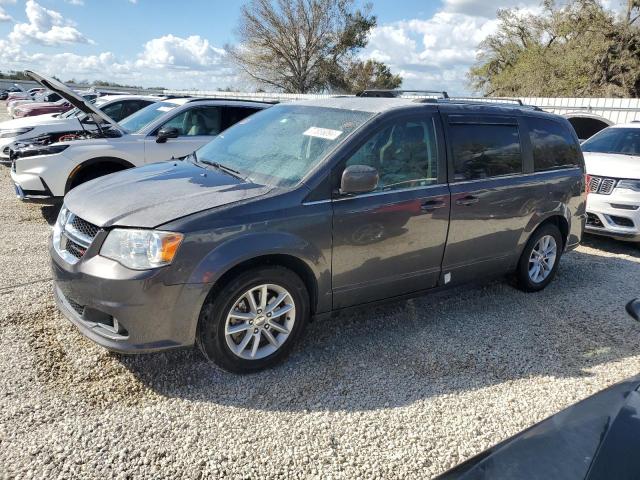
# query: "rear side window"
232,115
485,151
553,146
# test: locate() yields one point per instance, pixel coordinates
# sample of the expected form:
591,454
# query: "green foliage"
577,49
303,46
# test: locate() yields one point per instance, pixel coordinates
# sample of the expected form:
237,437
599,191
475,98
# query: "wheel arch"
289,261
93,162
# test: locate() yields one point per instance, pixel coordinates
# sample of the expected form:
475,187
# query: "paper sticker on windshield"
165,109
325,133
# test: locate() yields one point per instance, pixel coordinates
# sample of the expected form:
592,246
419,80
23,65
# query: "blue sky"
181,44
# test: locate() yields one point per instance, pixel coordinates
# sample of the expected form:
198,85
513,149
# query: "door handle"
431,205
467,200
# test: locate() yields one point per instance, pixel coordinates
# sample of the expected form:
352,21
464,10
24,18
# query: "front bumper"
616,215
124,310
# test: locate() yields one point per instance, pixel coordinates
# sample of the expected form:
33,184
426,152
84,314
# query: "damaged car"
46,167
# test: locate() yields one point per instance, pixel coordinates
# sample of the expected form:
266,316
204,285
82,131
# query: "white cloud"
46,27
75,2
169,51
4,16
436,53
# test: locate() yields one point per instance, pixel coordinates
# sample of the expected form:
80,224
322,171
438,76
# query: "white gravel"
402,391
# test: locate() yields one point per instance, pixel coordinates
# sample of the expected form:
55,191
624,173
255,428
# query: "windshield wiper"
219,166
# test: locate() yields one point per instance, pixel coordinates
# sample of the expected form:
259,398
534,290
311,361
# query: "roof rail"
490,99
386,93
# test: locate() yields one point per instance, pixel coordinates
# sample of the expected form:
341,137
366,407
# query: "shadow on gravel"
611,245
50,213
436,345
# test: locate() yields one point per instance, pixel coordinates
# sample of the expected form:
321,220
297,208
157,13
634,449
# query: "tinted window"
114,110
404,153
232,115
143,117
483,151
553,145
196,121
614,140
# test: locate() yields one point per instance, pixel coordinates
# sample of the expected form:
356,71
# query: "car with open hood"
308,209
70,123
612,157
46,168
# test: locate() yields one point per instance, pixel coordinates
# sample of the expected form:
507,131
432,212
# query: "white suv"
612,158
173,128
117,107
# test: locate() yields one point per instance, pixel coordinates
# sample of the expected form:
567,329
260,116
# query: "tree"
303,46
370,75
578,49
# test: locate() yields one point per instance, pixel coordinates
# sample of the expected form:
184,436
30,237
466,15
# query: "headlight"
34,150
630,185
141,249
14,132
60,221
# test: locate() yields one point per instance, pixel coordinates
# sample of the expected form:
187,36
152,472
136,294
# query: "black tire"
523,280
211,338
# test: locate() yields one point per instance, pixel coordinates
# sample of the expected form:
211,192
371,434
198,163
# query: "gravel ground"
403,391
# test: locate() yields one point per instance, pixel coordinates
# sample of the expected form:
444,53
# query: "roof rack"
490,99
385,93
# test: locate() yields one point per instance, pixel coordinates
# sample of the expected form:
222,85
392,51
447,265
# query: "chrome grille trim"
72,238
602,185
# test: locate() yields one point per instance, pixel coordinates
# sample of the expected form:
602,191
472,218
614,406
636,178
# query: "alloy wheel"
260,321
542,258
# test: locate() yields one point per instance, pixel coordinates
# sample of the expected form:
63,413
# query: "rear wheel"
254,320
540,259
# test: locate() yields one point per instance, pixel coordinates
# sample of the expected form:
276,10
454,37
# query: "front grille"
602,185
622,221
75,236
594,221
88,229
76,306
74,248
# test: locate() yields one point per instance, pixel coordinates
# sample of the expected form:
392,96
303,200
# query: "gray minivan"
314,207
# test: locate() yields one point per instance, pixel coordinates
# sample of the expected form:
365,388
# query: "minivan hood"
154,194
72,97
612,165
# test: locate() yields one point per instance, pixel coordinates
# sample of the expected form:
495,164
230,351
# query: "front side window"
196,121
404,153
114,110
553,146
625,141
485,151
280,145
144,117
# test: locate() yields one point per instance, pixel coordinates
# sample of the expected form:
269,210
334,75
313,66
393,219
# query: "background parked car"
41,97
73,122
612,158
173,128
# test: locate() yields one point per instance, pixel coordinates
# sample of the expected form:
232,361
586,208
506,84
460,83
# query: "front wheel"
254,320
540,259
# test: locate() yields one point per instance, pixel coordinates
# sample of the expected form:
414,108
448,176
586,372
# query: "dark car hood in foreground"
155,194
596,439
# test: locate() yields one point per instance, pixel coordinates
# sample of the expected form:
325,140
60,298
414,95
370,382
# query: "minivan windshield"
281,144
145,116
625,141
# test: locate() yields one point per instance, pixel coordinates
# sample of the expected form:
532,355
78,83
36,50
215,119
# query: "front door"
390,242
197,126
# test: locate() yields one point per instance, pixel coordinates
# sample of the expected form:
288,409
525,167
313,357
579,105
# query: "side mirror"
165,133
633,309
358,179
